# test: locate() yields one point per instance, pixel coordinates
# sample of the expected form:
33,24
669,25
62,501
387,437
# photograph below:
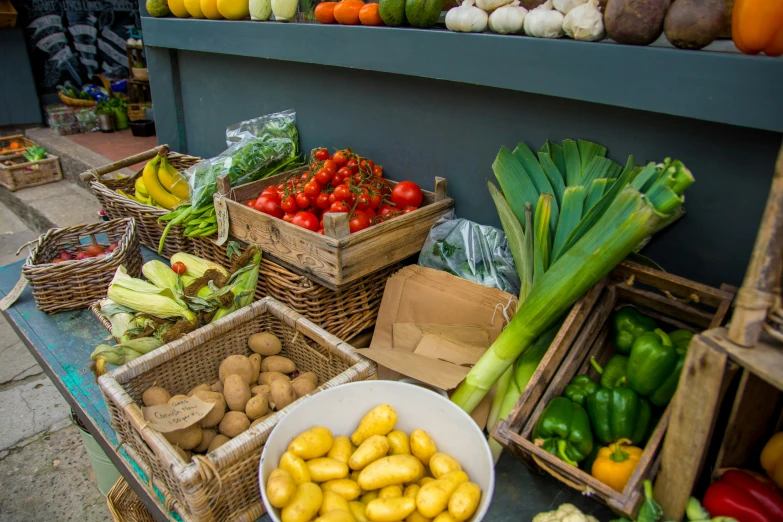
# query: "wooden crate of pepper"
673,303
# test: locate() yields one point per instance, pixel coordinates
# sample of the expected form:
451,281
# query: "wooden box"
17,173
20,143
675,303
336,261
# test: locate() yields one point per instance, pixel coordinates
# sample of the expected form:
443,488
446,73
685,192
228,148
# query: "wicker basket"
343,314
6,142
125,505
70,285
17,173
223,485
117,206
136,111
76,102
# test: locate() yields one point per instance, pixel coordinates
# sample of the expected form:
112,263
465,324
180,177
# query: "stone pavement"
44,471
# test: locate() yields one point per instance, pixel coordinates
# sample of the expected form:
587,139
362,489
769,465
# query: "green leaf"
573,165
554,175
528,253
529,162
517,187
589,150
595,194
542,238
570,214
513,228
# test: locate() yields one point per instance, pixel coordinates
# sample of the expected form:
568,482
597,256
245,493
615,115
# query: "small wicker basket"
222,485
17,173
117,206
125,505
70,285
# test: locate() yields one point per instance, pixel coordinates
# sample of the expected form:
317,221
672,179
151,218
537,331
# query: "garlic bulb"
544,22
508,19
585,22
564,6
260,9
491,5
467,18
284,10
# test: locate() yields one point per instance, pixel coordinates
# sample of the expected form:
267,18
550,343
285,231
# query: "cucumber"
422,13
392,12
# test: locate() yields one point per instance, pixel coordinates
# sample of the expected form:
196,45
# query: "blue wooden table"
62,344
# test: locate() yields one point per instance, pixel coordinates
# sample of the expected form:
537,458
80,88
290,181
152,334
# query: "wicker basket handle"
117,165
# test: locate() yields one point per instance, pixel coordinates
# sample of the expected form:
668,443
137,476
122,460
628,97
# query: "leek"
631,217
573,165
513,228
514,182
595,193
541,238
554,175
528,160
529,249
570,214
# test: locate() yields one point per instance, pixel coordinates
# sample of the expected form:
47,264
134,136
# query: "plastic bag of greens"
478,253
257,149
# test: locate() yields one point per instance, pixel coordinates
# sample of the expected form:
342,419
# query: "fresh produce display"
13,148
563,429
35,153
619,413
564,513
745,497
615,464
172,302
79,252
379,474
757,27
629,323
570,215
339,182
246,392
650,511
772,458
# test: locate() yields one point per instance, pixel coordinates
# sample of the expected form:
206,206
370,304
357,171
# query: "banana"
172,180
156,191
141,189
123,193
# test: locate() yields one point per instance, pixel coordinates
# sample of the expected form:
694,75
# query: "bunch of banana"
160,184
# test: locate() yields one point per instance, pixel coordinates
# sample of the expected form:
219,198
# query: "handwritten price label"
166,418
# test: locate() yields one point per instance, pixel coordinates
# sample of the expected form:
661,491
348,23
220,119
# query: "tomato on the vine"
323,176
332,199
330,166
370,212
312,188
179,268
306,220
352,165
288,204
408,210
339,206
305,176
288,217
321,154
250,203
407,194
302,201
375,201
367,165
340,158
364,201
322,201
344,173
377,171
269,205
386,209
359,221
342,193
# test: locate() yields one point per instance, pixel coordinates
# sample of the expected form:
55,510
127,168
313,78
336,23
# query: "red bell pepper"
744,496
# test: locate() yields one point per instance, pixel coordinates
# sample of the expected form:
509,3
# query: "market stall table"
62,344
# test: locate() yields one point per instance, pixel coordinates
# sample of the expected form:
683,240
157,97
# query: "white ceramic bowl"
341,408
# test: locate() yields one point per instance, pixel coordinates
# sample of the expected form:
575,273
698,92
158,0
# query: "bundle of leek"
571,216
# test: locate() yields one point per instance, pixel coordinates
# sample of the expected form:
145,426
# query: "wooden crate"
17,173
6,141
672,301
221,485
337,258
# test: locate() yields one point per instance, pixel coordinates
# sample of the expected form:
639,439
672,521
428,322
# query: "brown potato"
218,441
278,363
283,394
236,365
155,395
308,376
262,419
264,343
215,415
237,392
234,423
255,359
177,398
217,386
261,388
302,387
257,407
268,377
185,455
207,436
186,438
200,387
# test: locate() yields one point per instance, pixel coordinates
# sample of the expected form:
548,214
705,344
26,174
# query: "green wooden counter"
62,343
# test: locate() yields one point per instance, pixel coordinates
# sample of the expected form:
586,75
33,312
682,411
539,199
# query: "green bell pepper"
579,388
653,361
629,324
619,413
563,429
664,393
614,374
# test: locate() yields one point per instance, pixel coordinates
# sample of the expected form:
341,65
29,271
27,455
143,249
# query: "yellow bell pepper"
615,464
772,458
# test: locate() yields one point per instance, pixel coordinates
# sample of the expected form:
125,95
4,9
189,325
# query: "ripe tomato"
375,201
94,250
344,173
353,165
82,255
321,154
386,209
321,231
288,216
368,15
305,176
269,205
367,164
289,204
270,191
339,206
179,268
312,188
359,221
347,11
339,159
363,201
377,170
408,210
322,201
329,165
302,201
111,248
342,193
332,199
250,203
306,220
324,12
406,194
370,212
323,176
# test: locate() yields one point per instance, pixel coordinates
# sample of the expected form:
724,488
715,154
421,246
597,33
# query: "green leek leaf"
573,165
570,215
517,187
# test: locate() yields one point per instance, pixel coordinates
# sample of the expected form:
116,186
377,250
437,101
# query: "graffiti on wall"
76,39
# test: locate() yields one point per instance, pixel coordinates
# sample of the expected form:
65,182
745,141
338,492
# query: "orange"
324,12
347,11
368,15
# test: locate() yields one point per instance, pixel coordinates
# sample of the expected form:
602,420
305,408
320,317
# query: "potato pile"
379,474
248,390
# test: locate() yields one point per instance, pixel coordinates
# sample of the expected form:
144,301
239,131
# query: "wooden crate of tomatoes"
336,220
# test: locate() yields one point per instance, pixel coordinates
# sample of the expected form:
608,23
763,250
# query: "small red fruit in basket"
179,268
289,204
94,250
82,255
407,194
288,217
250,203
323,176
339,206
269,205
321,154
112,247
312,188
359,221
386,209
377,171
65,255
306,220
340,158
330,166
322,201
302,201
